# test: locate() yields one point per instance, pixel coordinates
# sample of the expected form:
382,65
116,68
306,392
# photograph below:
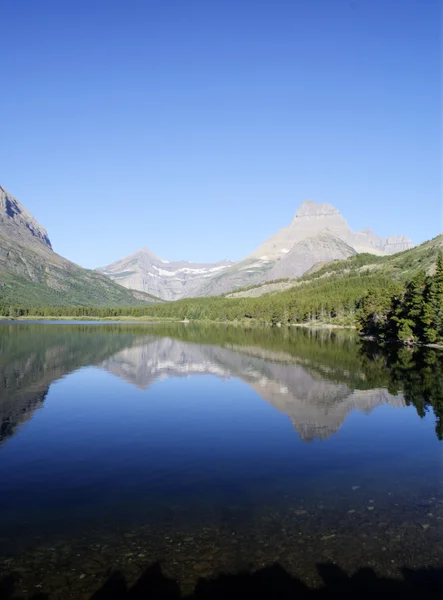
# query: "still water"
180,456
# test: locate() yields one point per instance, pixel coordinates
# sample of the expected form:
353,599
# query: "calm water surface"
204,450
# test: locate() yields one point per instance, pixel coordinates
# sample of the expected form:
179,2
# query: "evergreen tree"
376,310
407,325
432,313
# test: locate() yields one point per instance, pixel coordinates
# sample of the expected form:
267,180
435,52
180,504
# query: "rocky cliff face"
318,233
18,224
321,247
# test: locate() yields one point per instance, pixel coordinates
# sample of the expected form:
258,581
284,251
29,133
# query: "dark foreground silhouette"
272,583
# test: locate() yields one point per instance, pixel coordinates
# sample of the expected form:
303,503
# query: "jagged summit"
309,208
311,219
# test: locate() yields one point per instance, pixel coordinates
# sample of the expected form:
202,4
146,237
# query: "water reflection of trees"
417,373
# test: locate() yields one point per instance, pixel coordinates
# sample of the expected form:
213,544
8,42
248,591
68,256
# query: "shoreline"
172,320
159,321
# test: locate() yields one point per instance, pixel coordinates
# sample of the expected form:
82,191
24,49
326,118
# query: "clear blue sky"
196,128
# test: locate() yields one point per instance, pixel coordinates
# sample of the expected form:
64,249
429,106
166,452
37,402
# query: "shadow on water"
273,583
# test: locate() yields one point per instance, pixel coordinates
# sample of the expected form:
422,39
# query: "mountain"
168,280
312,219
32,273
318,233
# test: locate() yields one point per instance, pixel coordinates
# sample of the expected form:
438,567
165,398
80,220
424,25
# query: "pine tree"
438,296
432,314
407,314
376,311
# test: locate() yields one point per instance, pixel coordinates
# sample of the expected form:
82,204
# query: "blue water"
138,429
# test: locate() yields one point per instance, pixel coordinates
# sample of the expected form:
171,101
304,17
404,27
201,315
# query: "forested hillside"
79,287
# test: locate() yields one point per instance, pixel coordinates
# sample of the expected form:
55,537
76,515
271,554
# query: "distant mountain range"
318,233
32,273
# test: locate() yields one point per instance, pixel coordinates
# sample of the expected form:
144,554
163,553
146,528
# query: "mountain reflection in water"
317,396
184,447
316,407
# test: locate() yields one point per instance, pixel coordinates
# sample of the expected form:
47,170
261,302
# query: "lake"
178,461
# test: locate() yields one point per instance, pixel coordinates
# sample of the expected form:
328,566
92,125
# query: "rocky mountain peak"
145,250
309,208
17,223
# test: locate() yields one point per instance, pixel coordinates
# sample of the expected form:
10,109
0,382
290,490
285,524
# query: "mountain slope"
402,265
17,224
303,255
32,273
318,233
